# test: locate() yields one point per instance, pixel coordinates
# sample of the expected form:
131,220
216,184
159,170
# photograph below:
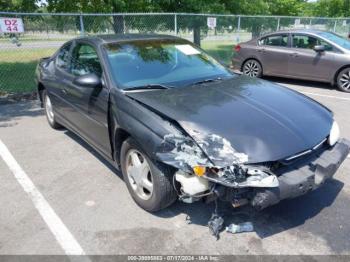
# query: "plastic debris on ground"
239,228
215,225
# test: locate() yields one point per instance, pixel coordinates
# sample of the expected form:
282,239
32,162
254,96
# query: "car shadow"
285,215
91,150
303,83
12,111
309,214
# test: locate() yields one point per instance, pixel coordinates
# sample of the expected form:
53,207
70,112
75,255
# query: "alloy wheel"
251,68
48,109
344,80
139,174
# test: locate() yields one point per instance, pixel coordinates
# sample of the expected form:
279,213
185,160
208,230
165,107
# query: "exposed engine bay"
240,183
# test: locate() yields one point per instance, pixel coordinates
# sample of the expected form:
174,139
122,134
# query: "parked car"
303,54
178,124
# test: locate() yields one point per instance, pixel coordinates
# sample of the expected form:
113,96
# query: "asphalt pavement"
58,193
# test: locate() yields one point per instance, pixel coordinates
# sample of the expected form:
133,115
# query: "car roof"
298,31
113,38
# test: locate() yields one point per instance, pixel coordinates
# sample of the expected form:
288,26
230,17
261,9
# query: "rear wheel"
343,80
49,112
252,68
148,182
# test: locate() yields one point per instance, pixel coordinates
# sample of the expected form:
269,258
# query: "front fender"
134,119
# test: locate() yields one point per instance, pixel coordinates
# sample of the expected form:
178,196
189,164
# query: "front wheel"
49,112
148,182
343,80
252,68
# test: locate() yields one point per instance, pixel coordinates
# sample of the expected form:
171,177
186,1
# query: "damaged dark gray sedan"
180,125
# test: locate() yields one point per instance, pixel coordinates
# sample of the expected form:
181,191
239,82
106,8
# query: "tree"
330,8
19,5
101,6
194,23
286,7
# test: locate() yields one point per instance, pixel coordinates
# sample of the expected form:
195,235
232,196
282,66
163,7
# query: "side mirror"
319,48
89,80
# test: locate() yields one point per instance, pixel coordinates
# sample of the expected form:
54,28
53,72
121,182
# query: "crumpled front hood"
260,120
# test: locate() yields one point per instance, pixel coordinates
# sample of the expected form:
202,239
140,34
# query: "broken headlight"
334,134
242,176
199,170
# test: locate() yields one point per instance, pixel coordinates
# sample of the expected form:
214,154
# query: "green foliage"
328,8
19,5
252,7
245,7
99,6
286,7
332,8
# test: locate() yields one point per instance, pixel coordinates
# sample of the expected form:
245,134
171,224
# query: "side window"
85,60
62,60
303,41
309,42
275,40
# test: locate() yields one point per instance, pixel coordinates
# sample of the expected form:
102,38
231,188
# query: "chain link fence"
44,33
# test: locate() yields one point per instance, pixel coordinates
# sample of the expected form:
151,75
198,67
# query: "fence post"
278,23
123,24
238,29
335,25
239,23
175,23
81,24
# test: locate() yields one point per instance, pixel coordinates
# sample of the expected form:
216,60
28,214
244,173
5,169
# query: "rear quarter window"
63,57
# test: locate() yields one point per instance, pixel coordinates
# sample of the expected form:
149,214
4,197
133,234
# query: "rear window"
274,40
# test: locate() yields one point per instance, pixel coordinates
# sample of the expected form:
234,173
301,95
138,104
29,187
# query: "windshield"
336,39
167,62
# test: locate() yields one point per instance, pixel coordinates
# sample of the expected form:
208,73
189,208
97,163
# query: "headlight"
334,134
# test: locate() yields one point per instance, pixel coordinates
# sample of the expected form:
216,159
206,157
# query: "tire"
162,193
343,80
252,68
49,112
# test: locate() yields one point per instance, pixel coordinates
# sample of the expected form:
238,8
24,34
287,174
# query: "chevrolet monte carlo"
179,125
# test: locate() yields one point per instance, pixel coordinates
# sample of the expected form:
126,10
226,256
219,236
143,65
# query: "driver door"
306,63
88,105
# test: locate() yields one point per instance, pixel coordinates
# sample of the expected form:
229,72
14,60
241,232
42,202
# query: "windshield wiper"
207,81
147,87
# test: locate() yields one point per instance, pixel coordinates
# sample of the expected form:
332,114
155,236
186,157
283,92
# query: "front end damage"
238,182
303,175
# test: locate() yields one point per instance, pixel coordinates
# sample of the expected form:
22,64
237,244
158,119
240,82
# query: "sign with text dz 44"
11,25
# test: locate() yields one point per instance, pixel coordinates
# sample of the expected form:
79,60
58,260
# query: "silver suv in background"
303,54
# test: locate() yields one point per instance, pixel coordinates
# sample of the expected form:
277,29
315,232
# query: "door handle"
262,50
294,54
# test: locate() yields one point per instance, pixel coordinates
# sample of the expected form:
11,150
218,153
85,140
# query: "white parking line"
315,94
58,229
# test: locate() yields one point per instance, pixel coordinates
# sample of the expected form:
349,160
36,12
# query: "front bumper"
298,179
